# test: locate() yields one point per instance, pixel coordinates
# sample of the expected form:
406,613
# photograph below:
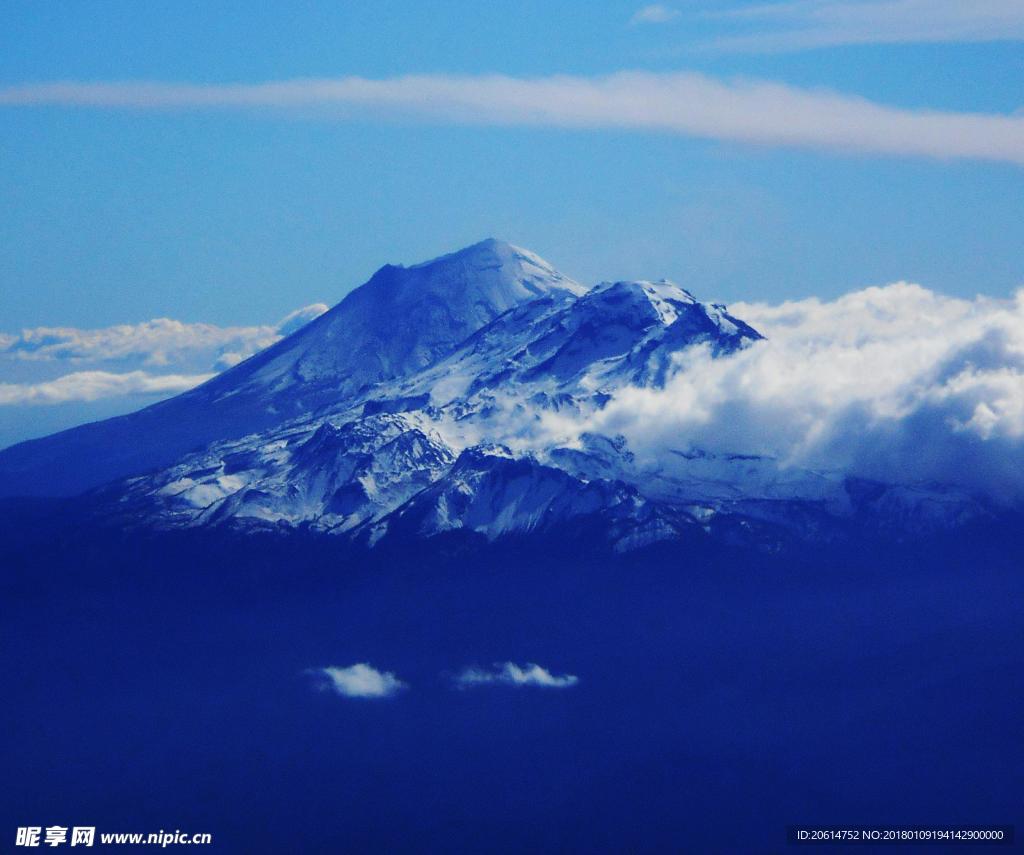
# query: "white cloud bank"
358,681
510,674
803,24
189,354
895,383
689,104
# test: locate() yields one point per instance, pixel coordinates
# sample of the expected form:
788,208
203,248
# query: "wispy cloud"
744,111
656,13
94,385
120,360
803,24
358,681
510,674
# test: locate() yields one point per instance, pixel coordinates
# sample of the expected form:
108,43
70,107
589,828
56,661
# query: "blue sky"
236,214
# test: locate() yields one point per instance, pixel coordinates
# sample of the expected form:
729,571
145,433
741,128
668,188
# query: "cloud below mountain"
686,103
895,383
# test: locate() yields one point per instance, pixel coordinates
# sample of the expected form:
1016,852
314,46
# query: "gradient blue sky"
238,216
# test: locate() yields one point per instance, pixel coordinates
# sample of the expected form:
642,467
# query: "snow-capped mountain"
434,399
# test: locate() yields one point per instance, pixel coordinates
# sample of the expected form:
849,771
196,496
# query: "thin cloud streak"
689,104
807,24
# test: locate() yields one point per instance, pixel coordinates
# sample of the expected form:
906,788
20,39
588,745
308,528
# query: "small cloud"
510,674
300,317
358,681
229,360
656,13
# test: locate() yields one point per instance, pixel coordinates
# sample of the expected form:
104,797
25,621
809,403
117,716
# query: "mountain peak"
503,271
490,245
486,278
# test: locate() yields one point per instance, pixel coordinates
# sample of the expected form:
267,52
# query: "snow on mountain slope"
333,476
616,334
491,492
